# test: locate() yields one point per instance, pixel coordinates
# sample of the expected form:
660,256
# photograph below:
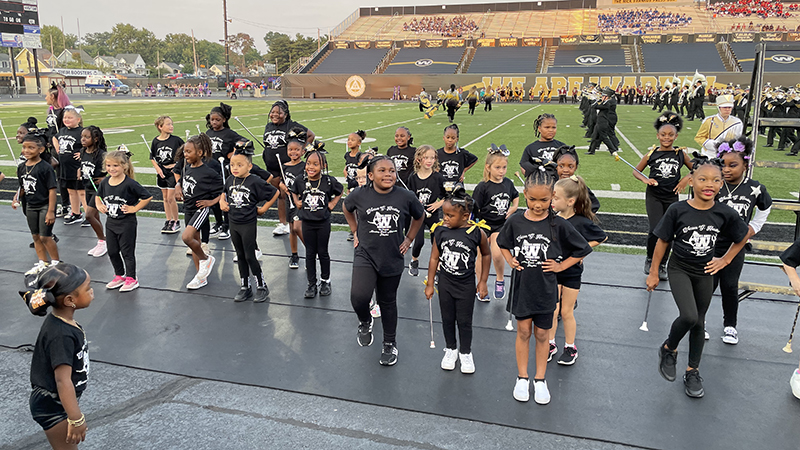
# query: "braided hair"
459,198
318,148
410,138
669,118
565,150
97,137
540,120
542,178
452,126
703,160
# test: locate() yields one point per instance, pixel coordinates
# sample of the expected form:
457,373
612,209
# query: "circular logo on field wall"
355,86
423,62
783,59
588,60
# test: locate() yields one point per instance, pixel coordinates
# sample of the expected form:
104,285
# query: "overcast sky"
254,17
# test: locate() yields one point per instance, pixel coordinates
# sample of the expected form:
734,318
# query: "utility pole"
227,55
80,46
194,52
158,63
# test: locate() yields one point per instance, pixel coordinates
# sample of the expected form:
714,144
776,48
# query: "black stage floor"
613,393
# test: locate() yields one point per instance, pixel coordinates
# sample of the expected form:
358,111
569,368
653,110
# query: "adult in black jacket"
606,121
696,103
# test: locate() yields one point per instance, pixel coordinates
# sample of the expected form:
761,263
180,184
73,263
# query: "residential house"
5,63
132,63
24,60
169,68
217,70
106,62
71,55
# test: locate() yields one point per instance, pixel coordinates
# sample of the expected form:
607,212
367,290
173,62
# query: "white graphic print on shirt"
455,257
702,238
667,168
384,218
188,183
500,203
450,169
531,249
240,195
87,169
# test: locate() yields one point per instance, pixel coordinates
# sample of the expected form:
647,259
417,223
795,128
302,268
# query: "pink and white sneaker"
118,281
130,284
98,250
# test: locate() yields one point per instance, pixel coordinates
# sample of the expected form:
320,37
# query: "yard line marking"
498,127
615,187
630,144
371,129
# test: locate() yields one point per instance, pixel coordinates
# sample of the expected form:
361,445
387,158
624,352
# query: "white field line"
630,144
498,127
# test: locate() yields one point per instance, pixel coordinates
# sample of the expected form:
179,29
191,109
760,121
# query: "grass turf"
125,120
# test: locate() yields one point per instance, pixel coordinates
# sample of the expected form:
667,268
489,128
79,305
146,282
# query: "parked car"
175,76
243,83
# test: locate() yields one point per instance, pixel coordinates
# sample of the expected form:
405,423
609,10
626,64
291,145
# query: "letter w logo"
588,60
783,59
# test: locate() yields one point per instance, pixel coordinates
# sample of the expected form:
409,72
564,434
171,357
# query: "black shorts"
36,221
74,185
569,281
195,217
168,182
274,170
46,409
89,194
493,229
542,321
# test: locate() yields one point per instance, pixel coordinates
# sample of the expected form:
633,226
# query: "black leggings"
244,242
655,211
121,244
728,281
472,103
365,281
419,241
692,294
488,105
316,235
457,310
219,215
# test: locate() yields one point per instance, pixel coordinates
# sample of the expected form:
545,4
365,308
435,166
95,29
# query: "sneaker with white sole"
118,281
522,391
569,356
413,268
167,227
388,354
541,394
499,289
449,359
481,299
176,226
730,336
197,283
294,262
552,352
37,268
130,284
98,250
206,265
794,382
224,233
467,363
281,229
375,310
364,333
213,230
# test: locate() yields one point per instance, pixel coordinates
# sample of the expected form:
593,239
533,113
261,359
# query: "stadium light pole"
227,58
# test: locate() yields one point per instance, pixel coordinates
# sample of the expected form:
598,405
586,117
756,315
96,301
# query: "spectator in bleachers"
746,8
456,27
638,21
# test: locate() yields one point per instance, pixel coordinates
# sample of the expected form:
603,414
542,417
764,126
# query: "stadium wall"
472,8
382,86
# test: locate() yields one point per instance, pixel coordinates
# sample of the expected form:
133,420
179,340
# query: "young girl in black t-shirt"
37,183
546,126
454,161
665,183
121,197
428,185
223,139
496,199
752,202
454,251
315,195
571,201
162,155
402,153
200,187
566,159
537,245
352,157
243,192
60,363
67,144
93,156
294,170
377,213
791,259
693,226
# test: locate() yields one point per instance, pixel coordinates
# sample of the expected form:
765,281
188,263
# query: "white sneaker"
480,299
281,229
467,363
259,254
522,390
205,267
730,336
707,336
541,394
197,283
449,360
794,382
38,267
99,250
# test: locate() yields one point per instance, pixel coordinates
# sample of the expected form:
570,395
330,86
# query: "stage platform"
612,395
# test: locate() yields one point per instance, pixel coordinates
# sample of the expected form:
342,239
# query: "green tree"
126,38
97,43
177,48
53,38
283,49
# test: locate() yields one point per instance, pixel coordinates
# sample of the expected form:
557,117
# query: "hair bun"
38,300
669,118
298,134
361,133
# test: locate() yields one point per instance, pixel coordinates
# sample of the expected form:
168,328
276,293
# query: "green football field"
125,120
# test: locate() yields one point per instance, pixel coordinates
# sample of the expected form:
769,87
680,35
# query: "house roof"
129,58
83,55
171,65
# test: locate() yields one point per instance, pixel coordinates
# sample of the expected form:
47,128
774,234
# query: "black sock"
245,282
260,281
523,378
536,379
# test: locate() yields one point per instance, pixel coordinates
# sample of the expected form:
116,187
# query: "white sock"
55,261
570,345
326,281
553,341
41,262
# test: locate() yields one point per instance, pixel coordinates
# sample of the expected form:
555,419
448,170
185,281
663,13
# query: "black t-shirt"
541,150
381,218
163,152
743,199
429,190
350,166
591,232
791,256
694,233
665,167
58,344
531,243
222,142
199,183
293,173
492,200
315,195
403,160
243,196
457,251
92,168
36,182
259,172
69,145
593,199
129,192
275,140
454,164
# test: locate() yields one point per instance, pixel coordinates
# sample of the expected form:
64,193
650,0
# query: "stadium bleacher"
746,53
425,61
589,59
505,60
351,61
676,57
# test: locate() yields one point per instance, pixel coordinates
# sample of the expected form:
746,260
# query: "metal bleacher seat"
505,60
682,58
351,61
425,61
589,59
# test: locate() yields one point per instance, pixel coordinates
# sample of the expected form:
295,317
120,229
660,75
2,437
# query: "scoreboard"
19,24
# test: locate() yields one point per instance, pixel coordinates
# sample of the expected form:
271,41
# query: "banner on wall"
362,44
340,45
383,44
436,43
509,42
411,44
773,36
569,39
677,39
531,42
486,42
456,43
743,37
793,36
651,39
705,38
590,39
611,39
